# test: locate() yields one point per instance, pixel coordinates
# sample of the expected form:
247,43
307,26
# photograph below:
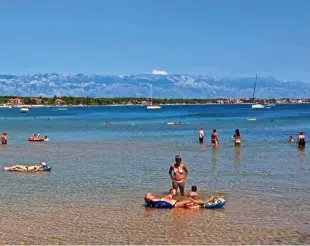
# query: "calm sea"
101,172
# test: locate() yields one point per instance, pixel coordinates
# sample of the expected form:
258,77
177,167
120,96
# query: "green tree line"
69,100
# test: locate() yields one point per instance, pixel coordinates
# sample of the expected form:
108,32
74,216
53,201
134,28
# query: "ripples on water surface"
101,172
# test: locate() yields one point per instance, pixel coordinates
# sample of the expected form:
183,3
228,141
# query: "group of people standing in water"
215,139
300,142
178,173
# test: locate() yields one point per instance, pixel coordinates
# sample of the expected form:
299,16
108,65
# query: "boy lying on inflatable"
169,202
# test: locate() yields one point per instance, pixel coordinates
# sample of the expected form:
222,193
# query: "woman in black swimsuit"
301,142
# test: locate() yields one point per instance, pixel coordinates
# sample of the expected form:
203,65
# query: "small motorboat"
258,106
173,123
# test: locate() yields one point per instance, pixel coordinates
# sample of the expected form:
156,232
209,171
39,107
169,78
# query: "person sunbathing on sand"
175,203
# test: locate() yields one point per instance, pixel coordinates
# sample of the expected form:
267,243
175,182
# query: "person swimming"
290,139
4,138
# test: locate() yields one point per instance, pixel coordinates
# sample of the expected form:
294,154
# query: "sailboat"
256,105
81,105
153,106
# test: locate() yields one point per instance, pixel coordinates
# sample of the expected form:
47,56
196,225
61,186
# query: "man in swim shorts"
175,203
201,135
169,199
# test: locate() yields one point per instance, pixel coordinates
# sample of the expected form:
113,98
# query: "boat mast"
254,88
151,95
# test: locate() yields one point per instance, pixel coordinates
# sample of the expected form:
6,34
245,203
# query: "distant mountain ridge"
164,86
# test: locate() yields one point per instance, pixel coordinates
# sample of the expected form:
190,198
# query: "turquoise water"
95,163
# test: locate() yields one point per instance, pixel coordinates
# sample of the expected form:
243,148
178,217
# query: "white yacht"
257,106
24,110
151,106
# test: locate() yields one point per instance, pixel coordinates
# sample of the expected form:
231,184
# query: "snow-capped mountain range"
164,86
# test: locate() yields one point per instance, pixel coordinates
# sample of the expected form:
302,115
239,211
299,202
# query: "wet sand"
248,220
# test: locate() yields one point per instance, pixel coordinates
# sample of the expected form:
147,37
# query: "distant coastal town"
11,101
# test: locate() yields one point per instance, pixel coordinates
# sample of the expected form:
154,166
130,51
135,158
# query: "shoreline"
130,105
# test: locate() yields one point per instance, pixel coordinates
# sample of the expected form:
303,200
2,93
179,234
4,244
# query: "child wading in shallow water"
193,193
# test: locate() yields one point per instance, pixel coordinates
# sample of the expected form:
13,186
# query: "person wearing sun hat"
201,135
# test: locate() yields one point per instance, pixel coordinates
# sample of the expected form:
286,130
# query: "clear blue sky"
220,37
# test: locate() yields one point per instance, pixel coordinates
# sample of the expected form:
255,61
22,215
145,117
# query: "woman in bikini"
178,173
214,138
237,137
27,168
